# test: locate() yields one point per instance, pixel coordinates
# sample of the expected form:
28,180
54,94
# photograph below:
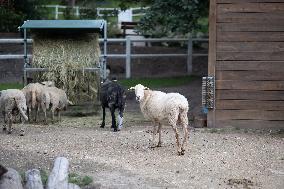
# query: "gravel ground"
215,158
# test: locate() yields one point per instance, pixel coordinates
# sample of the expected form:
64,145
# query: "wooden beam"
250,36
250,115
254,75
269,66
249,95
251,85
212,53
245,105
255,124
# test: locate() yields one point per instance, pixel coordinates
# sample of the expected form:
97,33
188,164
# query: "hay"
65,57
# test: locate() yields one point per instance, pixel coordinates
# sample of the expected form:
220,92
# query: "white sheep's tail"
33,99
21,110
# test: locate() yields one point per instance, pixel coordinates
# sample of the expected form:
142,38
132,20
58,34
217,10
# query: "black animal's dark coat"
113,96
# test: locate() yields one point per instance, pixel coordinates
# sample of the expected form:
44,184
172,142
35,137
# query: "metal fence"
128,55
59,10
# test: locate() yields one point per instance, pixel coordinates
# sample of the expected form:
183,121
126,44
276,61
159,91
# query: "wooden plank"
250,115
272,66
250,56
251,7
250,75
250,36
254,124
252,27
250,46
212,54
250,105
250,17
248,1
249,95
251,85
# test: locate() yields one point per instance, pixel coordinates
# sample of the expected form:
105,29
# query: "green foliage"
4,86
9,20
157,82
14,15
80,180
172,17
44,176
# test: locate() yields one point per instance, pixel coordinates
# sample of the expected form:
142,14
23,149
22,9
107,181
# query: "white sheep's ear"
131,89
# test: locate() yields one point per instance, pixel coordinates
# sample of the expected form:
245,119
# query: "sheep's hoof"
22,133
159,144
180,153
9,132
116,130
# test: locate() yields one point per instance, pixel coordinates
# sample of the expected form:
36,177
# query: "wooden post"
73,186
189,56
33,179
56,12
11,180
128,57
58,178
3,170
212,54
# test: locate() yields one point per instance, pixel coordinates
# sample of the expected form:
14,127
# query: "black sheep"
113,96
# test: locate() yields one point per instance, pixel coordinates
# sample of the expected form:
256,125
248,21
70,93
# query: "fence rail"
128,55
99,10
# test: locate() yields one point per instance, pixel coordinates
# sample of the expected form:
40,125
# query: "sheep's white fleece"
166,108
159,106
11,99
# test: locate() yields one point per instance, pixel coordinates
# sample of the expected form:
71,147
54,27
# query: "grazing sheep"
113,96
33,94
13,101
58,100
160,107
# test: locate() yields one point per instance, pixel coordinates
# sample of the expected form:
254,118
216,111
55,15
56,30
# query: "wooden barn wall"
248,63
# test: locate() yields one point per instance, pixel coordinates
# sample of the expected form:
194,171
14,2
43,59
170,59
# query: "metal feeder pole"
25,57
105,50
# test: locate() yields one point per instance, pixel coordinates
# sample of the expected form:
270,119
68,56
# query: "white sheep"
37,97
13,101
33,94
58,100
164,108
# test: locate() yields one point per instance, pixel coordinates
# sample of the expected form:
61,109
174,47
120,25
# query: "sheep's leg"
113,124
58,116
10,119
36,113
52,115
23,128
153,145
173,121
104,116
45,116
120,119
160,136
5,121
184,123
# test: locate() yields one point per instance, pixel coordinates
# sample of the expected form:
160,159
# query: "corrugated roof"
89,25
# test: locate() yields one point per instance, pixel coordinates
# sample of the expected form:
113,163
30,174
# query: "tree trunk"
3,170
11,180
58,178
33,179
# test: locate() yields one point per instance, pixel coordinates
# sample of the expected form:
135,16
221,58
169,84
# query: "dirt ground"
215,158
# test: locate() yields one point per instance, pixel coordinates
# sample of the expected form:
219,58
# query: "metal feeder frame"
59,25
